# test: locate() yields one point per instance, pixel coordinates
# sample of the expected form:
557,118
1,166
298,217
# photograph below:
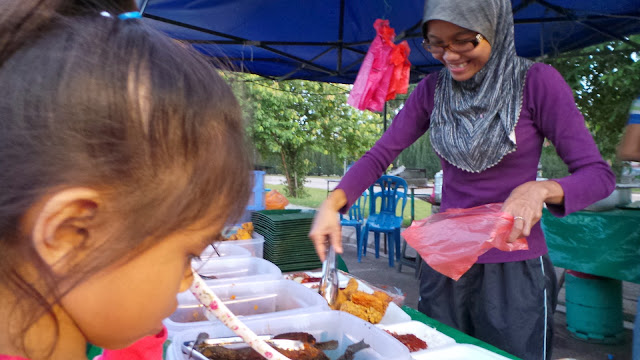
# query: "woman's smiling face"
462,66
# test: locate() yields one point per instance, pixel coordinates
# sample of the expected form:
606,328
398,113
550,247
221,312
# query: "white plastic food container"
458,352
324,326
247,300
234,270
255,245
434,338
225,250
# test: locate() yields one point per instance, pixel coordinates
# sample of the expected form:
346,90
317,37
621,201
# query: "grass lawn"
317,196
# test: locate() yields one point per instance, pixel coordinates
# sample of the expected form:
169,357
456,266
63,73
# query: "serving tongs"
329,283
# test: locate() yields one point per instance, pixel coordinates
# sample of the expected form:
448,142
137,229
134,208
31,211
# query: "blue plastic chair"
356,219
383,218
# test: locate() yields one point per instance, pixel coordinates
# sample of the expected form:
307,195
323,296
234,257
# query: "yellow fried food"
355,309
248,226
352,287
241,234
383,296
368,314
339,300
368,301
374,315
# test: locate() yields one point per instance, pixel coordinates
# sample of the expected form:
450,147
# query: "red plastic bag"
399,83
273,200
451,241
384,71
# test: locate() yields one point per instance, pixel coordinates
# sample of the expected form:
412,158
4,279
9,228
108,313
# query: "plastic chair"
392,193
356,218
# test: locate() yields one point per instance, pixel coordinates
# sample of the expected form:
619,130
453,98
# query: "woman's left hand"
525,203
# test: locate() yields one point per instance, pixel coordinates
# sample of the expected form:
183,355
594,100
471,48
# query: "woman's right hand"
326,224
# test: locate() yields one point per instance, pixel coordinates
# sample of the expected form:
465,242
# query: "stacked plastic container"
254,290
323,326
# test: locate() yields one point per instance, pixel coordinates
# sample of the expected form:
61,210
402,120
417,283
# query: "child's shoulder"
9,357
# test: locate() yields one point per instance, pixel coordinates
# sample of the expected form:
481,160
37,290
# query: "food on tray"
244,232
369,307
304,278
412,342
308,338
312,350
188,315
352,349
222,353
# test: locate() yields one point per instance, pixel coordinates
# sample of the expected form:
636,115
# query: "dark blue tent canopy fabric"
326,40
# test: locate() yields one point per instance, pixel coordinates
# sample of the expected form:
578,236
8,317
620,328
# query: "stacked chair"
387,195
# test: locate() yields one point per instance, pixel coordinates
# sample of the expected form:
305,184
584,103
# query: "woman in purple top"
488,112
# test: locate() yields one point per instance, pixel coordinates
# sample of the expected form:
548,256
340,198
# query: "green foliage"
605,79
421,155
552,165
296,118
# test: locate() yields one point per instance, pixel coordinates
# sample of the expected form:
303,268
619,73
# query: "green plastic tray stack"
286,238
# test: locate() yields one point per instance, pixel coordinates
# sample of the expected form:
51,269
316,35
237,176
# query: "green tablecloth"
605,243
457,335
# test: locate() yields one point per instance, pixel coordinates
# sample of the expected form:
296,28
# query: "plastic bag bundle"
274,200
451,241
384,71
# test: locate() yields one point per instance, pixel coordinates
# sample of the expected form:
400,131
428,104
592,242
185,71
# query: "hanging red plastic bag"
382,66
399,83
274,200
451,241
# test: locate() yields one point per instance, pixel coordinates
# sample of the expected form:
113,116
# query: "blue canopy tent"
326,40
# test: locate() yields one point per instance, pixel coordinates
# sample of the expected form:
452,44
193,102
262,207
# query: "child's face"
121,304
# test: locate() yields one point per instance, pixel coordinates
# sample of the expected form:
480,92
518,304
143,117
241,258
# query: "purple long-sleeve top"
548,111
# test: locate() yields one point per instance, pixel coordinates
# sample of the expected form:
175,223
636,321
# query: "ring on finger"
518,217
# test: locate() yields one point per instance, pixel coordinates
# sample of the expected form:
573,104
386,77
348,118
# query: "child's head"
121,153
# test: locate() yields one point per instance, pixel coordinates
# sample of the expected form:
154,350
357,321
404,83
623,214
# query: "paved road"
321,183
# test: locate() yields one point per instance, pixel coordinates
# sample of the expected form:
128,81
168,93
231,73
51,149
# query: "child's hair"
94,101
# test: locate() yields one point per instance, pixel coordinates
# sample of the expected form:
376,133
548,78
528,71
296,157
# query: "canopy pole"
143,6
384,116
340,37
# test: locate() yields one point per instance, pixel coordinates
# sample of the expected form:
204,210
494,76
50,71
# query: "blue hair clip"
130,15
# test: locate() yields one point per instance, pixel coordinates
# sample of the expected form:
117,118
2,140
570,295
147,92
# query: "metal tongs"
329,284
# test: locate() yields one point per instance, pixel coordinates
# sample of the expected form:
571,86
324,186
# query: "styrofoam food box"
255,245
233,270
458,352
434,338
394,315
248,300
225,250
324,326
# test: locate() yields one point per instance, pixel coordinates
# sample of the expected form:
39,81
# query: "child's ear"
63,223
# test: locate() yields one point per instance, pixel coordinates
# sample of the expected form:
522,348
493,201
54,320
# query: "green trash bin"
594,308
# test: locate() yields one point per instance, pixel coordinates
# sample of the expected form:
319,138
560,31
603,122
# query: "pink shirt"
147,348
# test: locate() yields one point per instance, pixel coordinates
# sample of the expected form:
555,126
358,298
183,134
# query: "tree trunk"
287,175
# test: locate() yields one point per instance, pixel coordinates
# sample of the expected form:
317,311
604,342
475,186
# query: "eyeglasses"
460,46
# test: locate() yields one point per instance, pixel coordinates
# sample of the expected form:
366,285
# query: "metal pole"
384,116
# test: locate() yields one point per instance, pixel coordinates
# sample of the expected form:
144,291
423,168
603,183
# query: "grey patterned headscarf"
473,121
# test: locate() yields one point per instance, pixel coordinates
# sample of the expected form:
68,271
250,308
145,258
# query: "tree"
292,118
604,79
